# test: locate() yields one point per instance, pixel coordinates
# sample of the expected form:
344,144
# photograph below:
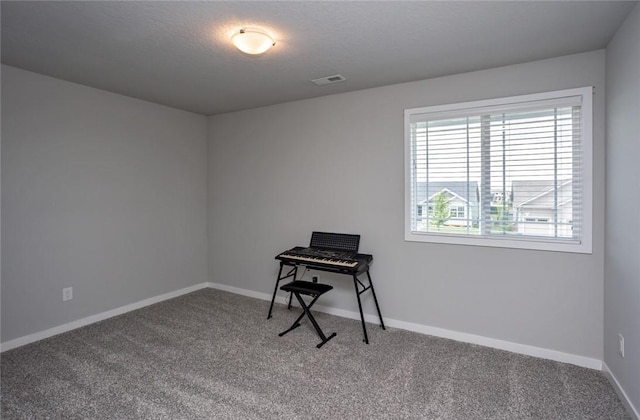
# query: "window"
456,212
509,172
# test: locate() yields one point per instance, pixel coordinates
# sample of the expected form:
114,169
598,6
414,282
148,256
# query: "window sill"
536,244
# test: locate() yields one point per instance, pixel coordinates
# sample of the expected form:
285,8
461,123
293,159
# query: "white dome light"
252,41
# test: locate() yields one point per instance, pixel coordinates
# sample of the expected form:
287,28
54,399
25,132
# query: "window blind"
500,169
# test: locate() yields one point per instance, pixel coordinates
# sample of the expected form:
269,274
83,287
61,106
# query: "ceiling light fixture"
252,41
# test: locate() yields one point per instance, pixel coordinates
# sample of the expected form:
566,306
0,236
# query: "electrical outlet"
67,293
315,279
621,345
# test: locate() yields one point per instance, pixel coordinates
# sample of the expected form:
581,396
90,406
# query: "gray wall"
100,192
335,163
622,252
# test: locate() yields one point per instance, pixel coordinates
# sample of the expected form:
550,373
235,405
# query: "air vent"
329,79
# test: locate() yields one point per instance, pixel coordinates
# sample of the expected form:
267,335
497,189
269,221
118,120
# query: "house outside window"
448,204
508,172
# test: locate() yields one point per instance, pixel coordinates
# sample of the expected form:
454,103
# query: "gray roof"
468,190
527,190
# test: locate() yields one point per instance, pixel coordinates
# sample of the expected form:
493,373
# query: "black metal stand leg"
275,290
306,310
295,324
289,300
373,292
364,327
292,327
292,273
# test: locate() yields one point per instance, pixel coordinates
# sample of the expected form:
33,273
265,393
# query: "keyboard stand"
359,286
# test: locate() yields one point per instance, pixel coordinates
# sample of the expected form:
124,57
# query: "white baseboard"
620,391
525,349
540,352
409,326
21,341
243,292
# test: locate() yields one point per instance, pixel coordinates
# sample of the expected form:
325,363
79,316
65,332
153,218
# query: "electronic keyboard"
319,257
329,251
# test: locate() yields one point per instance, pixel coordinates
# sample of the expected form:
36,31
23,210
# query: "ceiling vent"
329,79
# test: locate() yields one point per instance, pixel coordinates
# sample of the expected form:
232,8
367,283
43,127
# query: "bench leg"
307,311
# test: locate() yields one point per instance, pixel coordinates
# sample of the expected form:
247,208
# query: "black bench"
315,290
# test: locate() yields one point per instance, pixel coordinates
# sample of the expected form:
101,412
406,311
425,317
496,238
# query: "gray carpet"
213,355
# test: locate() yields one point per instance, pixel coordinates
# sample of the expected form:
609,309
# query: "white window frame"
584,245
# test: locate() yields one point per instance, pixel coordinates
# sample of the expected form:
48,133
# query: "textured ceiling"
179,53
